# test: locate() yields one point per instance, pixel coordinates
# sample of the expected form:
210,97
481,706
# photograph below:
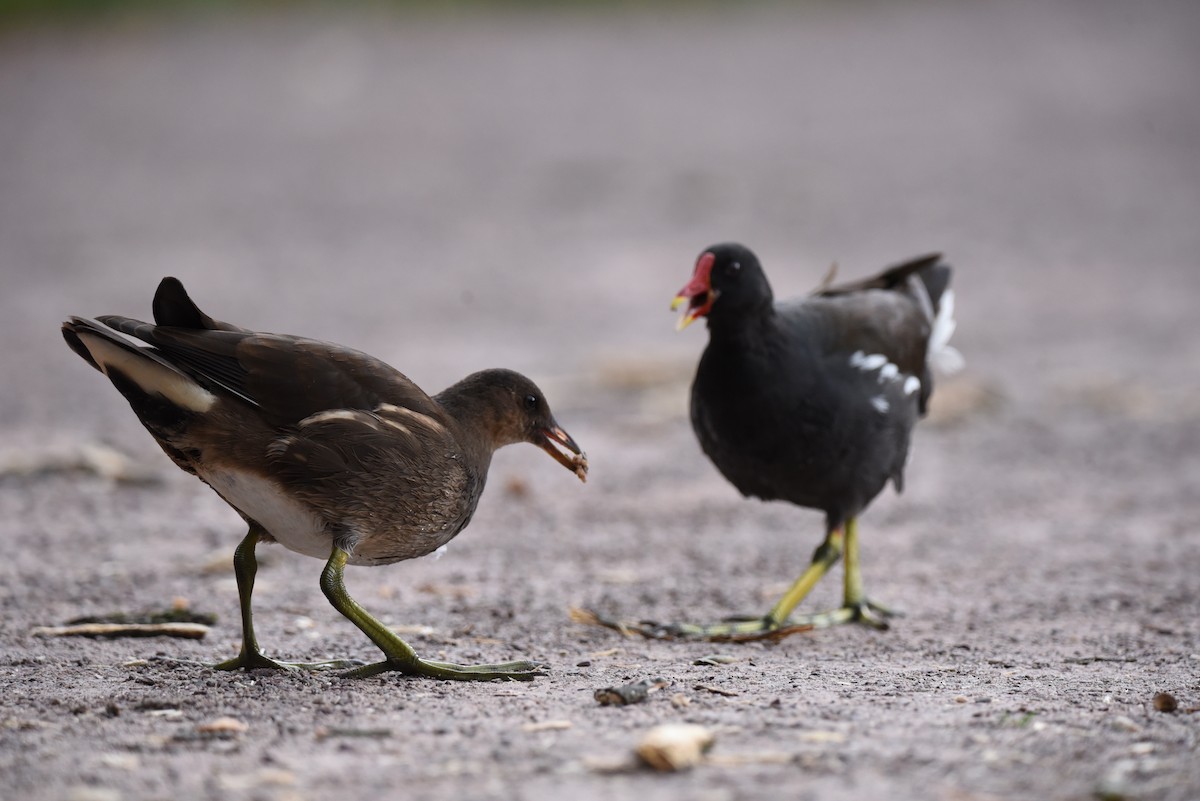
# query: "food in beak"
558,443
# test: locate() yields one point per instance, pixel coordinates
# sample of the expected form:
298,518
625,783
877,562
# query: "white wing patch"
889,373
867,363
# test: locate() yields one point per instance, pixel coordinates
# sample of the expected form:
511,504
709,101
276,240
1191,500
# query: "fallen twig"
187,631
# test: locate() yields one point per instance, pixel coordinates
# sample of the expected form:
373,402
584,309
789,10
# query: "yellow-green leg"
398,655
251,657
779,621
772,625
856,608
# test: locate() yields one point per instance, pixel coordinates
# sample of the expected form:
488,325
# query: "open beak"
558,443
699,294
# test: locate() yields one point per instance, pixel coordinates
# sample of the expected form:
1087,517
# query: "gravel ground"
459,191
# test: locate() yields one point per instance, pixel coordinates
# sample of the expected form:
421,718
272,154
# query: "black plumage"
813,402
782,405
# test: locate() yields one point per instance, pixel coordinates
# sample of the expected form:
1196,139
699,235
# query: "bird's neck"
742,327
474,424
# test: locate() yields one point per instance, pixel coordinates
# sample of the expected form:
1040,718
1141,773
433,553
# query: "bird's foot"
256,660
737,629
863,612
448,671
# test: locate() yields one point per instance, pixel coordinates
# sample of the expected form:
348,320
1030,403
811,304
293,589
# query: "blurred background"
415,180
452,186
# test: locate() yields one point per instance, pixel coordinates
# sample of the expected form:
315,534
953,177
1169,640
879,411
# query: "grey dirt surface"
529,189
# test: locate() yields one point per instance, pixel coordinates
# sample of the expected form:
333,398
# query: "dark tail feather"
70,332
127,325
75,326
936,278
892,277
172,306
160,392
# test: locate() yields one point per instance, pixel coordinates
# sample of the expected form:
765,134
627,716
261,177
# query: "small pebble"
1165,702
626,694
674,746
1122,723
225,725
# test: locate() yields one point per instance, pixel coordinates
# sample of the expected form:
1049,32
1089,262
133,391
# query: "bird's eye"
531,401
735,266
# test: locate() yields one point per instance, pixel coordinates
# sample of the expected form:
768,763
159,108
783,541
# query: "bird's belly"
290,522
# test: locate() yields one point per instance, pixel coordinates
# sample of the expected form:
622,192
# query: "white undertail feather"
154,377
941,355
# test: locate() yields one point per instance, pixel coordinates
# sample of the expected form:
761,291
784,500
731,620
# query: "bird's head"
728,281
510,408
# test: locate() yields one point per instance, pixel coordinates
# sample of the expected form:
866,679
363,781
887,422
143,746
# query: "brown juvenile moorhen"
812,402
324,449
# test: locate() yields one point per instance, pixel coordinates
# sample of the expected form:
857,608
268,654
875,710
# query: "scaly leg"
251,657
778,623
774,625
398,655
856,608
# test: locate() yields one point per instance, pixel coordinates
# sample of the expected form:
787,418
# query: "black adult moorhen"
813,402
324,449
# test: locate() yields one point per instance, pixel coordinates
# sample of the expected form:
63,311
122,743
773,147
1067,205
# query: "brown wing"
288,378
400,470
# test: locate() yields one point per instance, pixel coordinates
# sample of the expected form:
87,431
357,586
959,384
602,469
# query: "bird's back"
310,439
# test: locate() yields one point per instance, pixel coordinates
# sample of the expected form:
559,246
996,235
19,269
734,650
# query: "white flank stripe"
880,403
352,415
417,417
911,384
867,363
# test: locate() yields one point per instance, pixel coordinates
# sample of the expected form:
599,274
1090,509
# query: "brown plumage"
325,449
